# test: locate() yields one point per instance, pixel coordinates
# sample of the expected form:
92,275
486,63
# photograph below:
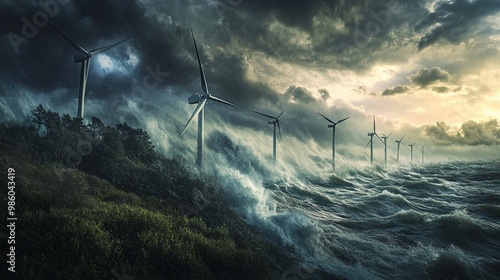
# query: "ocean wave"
454,264
364,222
492,211
409,217
459,228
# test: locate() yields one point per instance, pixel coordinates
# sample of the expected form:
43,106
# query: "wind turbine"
333,125
84,59
411,153
385,146
371,134
275,121
400,143
200,109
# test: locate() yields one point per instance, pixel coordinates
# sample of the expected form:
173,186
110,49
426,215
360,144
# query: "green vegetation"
97,202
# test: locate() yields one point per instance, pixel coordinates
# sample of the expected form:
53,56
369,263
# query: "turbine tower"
200,109
333,125
385,147
371,134
84,59
275,121
400,143
411,153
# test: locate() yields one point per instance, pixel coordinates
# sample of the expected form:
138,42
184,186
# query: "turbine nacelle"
195,98
374,133
386,136
84,54
81,57
332,123
400,140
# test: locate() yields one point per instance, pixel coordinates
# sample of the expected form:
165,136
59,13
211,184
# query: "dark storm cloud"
471,133
160,39
439,133
426,76
162,42
339,35
227,79
454,21
323,34
346,34
399,89
45,61
299,94
297,13
486,133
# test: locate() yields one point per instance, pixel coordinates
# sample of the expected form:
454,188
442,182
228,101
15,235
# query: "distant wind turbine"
275,121
200,109
411,153
84,59
371,134
385,146
400,143
333,125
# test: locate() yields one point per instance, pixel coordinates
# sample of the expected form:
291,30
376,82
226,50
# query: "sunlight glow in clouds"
110,65
106,63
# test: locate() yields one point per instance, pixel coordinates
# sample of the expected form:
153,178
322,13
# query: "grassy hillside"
97,202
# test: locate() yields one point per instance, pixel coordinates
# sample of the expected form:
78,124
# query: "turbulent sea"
435,221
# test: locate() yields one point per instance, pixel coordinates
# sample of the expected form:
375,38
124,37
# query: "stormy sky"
427,69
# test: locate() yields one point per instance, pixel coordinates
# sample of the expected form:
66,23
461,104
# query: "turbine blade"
413,143
103,49
368,143
279,128
342,120
196,111
389,134
374,124
211,97
73,43
402,138
379,138
280,114
262,114
330,121
202,73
